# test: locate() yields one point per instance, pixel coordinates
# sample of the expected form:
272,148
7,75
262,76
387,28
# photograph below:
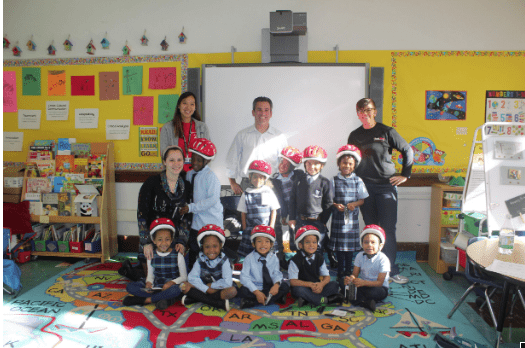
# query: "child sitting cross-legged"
373,266
261,278
309,276
166,270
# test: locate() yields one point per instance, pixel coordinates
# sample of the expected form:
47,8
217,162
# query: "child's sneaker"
186,300
133,301
399,279
163,304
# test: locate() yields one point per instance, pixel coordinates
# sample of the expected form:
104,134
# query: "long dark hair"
177,118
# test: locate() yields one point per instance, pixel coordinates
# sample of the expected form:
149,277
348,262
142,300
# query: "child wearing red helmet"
312,196
166,270
308,274
210,280
258,204
261,278
349,193
372,268
206,206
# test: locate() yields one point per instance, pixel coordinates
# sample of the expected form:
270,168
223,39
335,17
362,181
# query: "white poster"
13,141
86,118
57,110
117,129
29,119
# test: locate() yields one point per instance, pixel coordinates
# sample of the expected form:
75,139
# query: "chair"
478,280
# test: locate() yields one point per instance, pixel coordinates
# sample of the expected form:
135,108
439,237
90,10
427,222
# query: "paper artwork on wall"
162,78
446,105
132,80
167,105
426,153
109,85
10,102
56,82
83,85
143,111
31,81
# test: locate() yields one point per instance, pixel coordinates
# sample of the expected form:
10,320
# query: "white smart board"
313,104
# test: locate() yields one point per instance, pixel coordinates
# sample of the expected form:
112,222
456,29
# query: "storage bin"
40,245
51,246
93,247
63,246
76,247
448,252
451,234
449,216
452,200
462,256
23,256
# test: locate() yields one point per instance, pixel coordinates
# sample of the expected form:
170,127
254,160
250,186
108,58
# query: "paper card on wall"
132,80
86,118
148,142
162,78
57,110
29,119
143,111
82,85
56,82
167,104
31,81
117,129
10,104
13,141
108,82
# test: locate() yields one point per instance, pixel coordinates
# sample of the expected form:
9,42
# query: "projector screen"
313,104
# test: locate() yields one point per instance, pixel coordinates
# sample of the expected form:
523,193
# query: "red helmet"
306,231
203,147
374,229
292,154
351,150
314,152
211,230
263,231
260,167
161,224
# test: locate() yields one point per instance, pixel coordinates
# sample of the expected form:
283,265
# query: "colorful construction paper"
10,104
83,85
162,78
132,80
167,105
56,82
31,81
143,111
108,82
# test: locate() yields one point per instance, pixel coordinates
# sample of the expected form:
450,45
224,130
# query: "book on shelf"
58,183
65,204
98,183
81,150
35,208
34,155
64,146
33,197
50,204
38,185
95,168
80,165
64,164
32,170
46,168
76,177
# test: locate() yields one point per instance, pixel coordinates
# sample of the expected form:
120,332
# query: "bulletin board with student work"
125,100
439,99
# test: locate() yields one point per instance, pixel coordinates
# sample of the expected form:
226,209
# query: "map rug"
82,307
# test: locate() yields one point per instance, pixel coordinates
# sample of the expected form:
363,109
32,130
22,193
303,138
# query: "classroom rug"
81,307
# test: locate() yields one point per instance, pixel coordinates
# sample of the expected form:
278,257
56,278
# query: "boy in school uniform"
210,280
206,206
309,277
290,158
261,279
312,197
372,268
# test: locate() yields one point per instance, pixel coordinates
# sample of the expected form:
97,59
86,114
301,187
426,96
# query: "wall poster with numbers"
505,106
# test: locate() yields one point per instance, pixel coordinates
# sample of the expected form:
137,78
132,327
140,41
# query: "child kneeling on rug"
261,278
166,270
309,276
210,280
373,266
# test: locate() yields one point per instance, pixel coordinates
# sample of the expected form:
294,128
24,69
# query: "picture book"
69,186
97,182
35,208
96,168
47,144
58,183
80,165
81,150
32,170
64,146
65,204
38,185
32,197
64,164
39,155
77,177
46,168
50,204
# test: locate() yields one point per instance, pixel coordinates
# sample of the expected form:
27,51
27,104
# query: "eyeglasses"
366,111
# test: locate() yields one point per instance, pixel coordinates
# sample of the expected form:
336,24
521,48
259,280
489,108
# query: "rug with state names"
82,307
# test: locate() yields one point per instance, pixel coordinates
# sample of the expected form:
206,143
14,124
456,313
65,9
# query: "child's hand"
167,285
317,288
185,287
179,248
349,279
339,207
359,282
261,298
149,285
350,206
184,210
291,223
274,289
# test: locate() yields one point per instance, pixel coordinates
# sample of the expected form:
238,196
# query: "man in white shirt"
257,142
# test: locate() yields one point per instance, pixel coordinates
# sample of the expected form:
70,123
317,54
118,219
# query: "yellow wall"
407,76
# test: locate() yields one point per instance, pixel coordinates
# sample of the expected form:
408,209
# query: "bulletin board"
126,151
445,143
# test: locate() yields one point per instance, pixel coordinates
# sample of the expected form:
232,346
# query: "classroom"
404,55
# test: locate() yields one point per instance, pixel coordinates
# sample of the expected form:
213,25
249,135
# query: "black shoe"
133,301
248,303
300,302
335,298
164,304
125,269
281,300
331,257
370,304
186,300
